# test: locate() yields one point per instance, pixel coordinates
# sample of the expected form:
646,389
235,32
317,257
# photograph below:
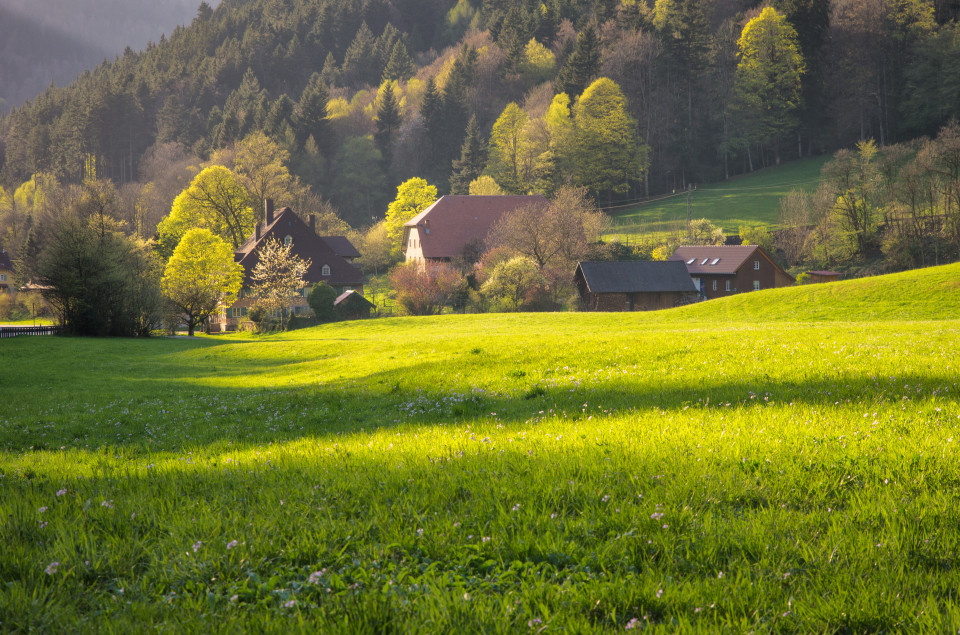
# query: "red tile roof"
719,259
454,220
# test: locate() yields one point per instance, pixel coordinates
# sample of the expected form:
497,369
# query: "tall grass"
579,472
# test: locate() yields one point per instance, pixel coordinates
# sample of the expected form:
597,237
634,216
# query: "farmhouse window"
714,285
3,277
756,285
287,240
325,271
756,265
728,285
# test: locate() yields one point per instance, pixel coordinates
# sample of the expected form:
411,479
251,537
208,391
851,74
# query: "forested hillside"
710,89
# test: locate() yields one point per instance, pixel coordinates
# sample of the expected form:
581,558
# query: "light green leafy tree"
260,164
767,83
215,200
200,276
606,151
505,159
413,196
511,281
484,186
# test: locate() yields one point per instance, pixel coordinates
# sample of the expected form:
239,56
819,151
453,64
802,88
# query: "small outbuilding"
633,285
824,276
350,305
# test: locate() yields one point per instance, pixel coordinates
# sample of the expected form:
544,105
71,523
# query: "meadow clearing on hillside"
752,200
496,473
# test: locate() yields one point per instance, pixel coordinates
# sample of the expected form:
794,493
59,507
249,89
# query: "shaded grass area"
751,199
578,472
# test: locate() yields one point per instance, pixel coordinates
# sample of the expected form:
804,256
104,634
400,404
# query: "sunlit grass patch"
497,473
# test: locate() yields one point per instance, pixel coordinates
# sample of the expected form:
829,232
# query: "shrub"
804,278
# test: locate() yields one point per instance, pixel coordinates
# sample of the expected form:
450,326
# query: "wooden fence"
14,331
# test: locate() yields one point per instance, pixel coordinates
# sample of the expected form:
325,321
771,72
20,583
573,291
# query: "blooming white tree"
278,276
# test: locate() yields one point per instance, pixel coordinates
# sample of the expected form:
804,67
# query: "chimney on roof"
268,208
313,223
258,231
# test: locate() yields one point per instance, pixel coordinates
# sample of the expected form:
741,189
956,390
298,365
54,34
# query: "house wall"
742,281
635,301
6,281
413,249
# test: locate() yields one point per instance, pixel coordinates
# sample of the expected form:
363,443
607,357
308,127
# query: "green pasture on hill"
755,464
752,199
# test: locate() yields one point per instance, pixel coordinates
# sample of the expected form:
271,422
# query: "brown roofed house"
326,264
721,270
443,231
633,285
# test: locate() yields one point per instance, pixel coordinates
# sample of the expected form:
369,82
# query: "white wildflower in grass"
232,544
290,604
198,544
42,509
486,539
720,575
316,576
516,507
108,504
61,492
659,593
52,567
234,598
632,624
534,622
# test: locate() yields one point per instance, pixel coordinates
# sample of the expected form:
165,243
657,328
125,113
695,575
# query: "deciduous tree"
425,288
413,196
278,276
201,276
215,200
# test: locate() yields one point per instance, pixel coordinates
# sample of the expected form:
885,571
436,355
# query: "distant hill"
56,40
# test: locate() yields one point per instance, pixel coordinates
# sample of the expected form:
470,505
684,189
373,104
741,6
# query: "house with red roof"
448,228
722,270
330,261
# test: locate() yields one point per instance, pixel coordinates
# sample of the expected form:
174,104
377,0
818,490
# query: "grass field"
752,199
781,461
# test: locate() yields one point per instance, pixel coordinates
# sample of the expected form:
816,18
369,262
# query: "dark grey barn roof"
636,277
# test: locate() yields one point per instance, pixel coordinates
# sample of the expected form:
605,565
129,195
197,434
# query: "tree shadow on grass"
123,407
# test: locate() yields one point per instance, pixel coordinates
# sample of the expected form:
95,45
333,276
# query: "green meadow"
781,461
752,199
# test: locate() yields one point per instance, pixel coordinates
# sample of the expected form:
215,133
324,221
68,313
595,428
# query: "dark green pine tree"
581,66
331,75
400,65
360,63
388,123
454,116
473,158
431,110
309,117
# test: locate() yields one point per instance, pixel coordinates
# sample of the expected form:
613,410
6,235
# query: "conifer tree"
400,65
388,121
581,65
309,117
473,157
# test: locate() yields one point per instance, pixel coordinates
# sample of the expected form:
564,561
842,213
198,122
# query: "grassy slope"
468,472
752,199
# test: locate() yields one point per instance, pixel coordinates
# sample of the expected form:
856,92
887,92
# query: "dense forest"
365,94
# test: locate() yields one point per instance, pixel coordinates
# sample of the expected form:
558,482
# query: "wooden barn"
633,285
